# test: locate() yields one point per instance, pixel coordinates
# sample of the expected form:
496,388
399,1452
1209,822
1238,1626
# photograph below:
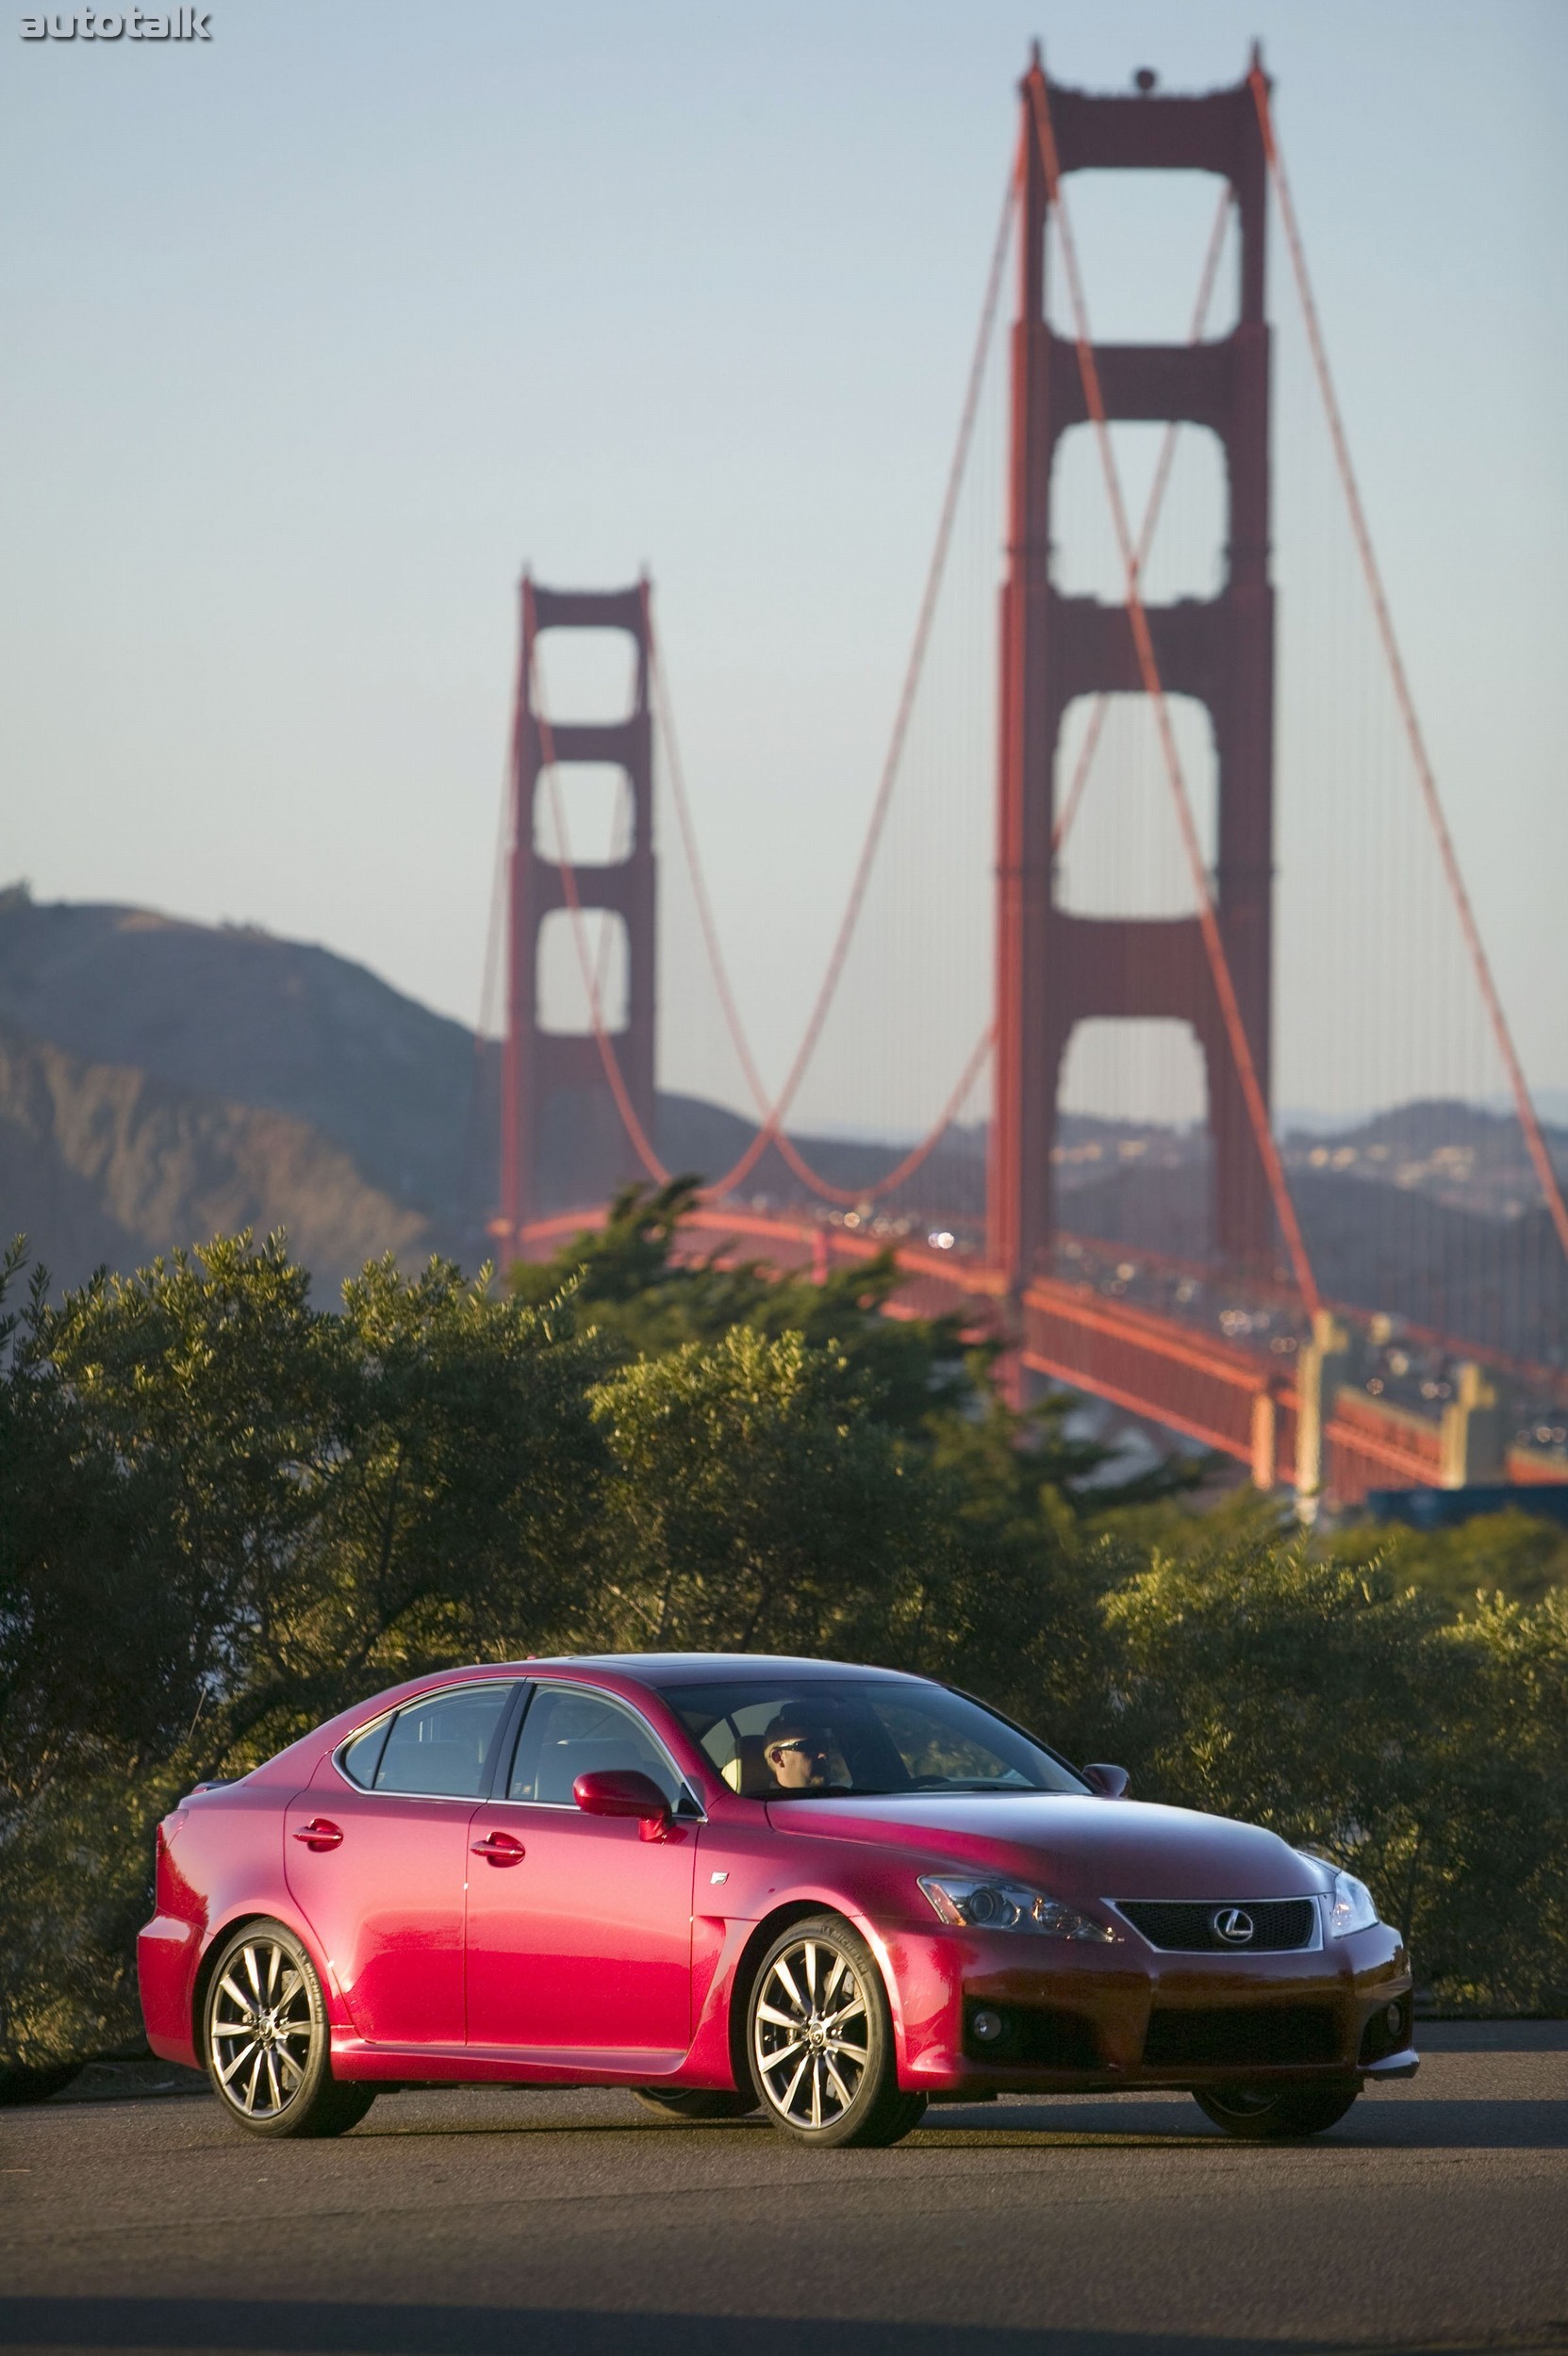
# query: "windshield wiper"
921,1788
966,1783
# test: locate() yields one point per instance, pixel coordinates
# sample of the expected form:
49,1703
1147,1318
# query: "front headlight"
1351,1907
977,1905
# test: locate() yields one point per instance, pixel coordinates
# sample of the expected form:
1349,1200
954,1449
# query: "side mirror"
1109,1782
625,1791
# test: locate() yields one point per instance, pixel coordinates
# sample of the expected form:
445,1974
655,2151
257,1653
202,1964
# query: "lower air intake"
1241,2036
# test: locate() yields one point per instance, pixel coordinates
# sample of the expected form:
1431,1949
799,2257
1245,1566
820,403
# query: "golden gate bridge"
1241,1348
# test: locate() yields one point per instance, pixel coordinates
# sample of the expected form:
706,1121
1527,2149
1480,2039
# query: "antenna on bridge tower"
1055,969
556,1090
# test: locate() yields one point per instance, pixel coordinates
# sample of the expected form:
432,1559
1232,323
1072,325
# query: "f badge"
1232,1924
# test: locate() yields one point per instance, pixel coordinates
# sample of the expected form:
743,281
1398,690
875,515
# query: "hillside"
236,1013
103,1164
159,1080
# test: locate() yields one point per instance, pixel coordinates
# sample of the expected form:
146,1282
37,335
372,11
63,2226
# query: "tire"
265,2041
1272,2114
694,2103
819,2040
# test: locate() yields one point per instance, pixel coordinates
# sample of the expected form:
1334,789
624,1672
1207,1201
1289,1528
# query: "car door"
579,1930
376,1858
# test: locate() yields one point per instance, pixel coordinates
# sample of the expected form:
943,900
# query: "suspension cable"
1524,1105
1074,796
774,1111
1219,964
771,1132
592,975
881,1186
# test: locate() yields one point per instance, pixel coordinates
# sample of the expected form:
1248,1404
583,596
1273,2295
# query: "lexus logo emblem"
1232,1925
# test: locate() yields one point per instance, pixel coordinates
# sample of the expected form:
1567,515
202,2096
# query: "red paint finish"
544,1070
1056,969
495,1940
588,1946
386,1906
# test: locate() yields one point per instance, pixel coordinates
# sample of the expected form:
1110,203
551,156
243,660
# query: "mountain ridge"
161,1080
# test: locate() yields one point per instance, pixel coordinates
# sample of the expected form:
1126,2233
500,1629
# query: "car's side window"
440,1746
570,1733
360,1759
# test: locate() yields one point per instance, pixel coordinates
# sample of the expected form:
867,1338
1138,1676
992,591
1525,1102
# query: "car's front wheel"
819,2037
266,2041
1271,2114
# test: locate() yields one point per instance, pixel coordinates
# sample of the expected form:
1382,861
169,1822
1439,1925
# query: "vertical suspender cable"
1524,1106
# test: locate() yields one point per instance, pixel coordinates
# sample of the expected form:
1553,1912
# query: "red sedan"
735,1884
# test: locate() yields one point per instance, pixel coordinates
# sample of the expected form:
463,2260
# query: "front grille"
1185,1925
1241,2036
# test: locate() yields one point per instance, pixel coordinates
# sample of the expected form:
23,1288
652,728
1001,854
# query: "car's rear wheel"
266,2042
820,2039
691,2103
1269,2114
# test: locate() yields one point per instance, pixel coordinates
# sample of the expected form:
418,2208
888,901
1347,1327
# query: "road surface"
1435,2215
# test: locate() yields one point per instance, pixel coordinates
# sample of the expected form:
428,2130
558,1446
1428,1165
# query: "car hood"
1092,1848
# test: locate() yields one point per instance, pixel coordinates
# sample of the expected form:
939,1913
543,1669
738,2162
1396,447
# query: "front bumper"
1089,2018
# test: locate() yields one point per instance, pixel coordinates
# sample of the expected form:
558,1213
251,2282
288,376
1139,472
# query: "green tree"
647,1292
1347,1710
226,1515
1519,1556
646,1295
756,1501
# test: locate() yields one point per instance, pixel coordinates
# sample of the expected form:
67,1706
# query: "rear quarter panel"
219,1861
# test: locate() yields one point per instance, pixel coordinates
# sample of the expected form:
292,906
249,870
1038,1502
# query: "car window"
568,1733
362,1757
440,1746
809,1738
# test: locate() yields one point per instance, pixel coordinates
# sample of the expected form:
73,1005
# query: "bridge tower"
1056,969
559,1120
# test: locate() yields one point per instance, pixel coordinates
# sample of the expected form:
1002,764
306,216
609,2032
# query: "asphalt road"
1436,2214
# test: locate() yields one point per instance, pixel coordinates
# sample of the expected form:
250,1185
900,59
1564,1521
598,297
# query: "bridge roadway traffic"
1435,2215
1170,1372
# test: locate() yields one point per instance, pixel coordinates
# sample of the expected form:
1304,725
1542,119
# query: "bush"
1343,1708
226,1513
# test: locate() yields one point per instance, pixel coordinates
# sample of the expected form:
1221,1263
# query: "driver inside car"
797,1755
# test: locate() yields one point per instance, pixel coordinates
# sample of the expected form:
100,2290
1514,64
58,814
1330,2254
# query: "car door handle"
499,1849
320,1834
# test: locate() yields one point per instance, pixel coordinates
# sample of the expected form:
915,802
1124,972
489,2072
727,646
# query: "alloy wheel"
812,2035
262,2028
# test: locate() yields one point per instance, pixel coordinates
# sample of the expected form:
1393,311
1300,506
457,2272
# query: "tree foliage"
1348,1712
226,1512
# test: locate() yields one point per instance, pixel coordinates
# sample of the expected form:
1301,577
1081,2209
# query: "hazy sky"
316,332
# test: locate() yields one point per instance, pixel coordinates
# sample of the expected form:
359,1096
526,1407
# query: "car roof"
710,1667
647,1669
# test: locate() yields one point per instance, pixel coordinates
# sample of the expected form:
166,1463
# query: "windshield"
808,1739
